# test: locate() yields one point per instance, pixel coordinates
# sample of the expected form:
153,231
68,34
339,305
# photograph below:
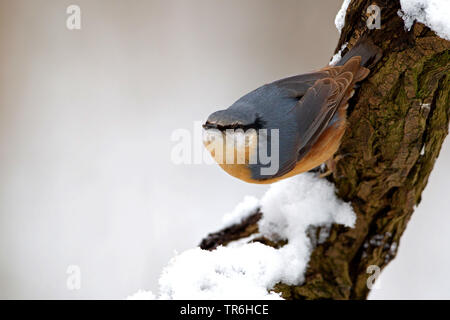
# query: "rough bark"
398,120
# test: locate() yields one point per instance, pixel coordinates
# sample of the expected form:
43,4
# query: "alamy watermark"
231,146
73,21
373,13
73,281
374,272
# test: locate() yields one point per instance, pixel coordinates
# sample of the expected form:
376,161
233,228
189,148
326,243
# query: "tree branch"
397,123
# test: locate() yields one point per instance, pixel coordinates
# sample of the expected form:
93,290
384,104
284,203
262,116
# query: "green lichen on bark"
397,123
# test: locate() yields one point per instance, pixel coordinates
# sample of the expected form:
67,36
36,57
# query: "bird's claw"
331,165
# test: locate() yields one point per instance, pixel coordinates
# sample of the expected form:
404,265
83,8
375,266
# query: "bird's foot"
331,165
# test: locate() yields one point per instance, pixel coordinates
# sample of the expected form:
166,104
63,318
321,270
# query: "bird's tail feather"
369,52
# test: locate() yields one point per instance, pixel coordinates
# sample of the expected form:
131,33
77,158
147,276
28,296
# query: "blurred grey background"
86,120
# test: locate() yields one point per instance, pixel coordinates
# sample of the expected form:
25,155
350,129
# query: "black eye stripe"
258,124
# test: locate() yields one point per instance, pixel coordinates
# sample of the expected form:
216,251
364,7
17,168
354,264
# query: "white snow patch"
249,270
339,21
433,13
324,233
244,272
247,207
337,57
425,106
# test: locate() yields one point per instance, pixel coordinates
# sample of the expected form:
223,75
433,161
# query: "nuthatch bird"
303,119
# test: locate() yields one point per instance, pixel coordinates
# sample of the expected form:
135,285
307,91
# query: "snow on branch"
339,21
248,270
432,13
435,14
338,56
